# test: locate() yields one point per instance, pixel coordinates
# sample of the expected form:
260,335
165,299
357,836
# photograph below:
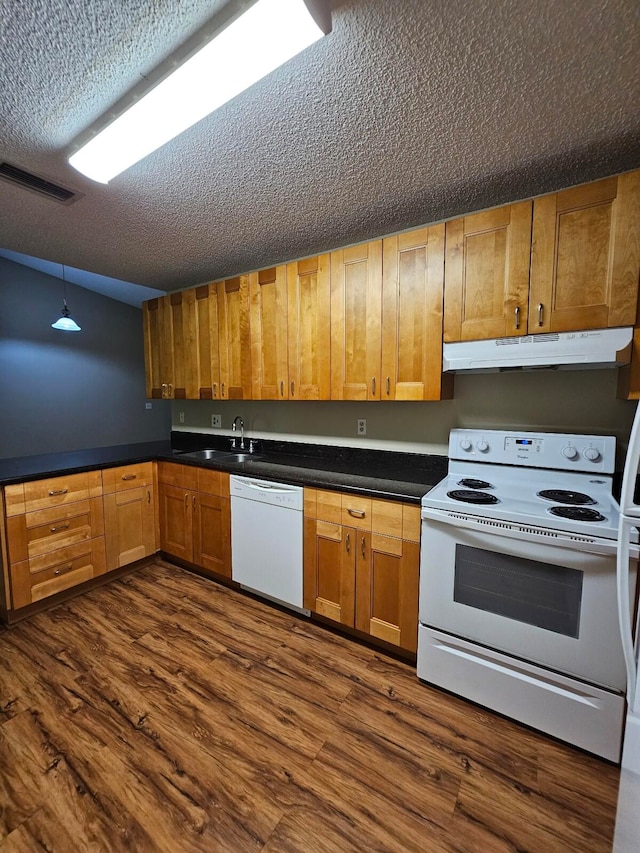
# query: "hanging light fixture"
66,323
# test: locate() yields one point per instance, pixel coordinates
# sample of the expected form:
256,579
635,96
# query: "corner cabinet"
568,261
195,516
129,513
55,535
361,564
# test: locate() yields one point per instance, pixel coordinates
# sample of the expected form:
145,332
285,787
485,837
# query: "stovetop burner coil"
471,496
577,513
563,496
472,483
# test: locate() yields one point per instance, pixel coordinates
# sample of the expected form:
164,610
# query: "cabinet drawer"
356,511
57,491
40,577
181,476
127,477
213,482
35,533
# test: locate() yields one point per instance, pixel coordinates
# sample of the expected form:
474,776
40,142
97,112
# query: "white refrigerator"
627,834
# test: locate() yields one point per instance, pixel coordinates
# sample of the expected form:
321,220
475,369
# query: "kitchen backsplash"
581,401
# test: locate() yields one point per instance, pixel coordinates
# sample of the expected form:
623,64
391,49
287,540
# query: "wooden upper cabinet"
208,359
412,306
169,324
585,257
268,311
158,347
233,338
356,318
309,328
182,314
487,274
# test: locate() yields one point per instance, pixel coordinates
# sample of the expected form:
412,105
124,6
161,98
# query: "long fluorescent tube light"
267,35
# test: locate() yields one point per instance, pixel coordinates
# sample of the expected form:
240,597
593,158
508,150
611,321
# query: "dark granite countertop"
376,473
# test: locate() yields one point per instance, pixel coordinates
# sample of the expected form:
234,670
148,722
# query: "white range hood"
558,350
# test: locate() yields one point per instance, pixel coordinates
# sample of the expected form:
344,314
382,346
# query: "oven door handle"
624,605
523,532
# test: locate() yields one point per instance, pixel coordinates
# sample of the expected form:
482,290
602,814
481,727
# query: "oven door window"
540,594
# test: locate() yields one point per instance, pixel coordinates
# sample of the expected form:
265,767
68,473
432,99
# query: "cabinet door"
208,375
176,521
309,329
585,259
356,311
234,341
487,274
329,570
387,589
412,300
182,311
212,533
158,347
129,526
268,299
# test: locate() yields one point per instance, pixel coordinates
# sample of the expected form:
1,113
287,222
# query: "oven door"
552,603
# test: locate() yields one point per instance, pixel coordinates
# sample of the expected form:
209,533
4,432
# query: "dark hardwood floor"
165,712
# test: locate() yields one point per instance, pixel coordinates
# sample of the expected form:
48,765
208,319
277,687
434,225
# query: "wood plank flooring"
163,712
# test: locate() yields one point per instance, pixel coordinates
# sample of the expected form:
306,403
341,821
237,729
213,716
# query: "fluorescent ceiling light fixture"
267,35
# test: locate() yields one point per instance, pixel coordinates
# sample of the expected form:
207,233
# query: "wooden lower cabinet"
195,516
363,574
129,514
54,536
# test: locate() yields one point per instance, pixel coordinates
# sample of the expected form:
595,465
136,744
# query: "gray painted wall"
67,391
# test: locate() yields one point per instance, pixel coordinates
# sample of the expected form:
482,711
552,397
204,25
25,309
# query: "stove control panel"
556,451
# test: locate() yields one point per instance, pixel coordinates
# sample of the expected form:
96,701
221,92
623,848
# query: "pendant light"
66,323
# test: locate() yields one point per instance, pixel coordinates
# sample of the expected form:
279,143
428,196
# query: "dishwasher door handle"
265,487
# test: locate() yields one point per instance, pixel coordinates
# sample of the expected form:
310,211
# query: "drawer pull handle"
357,513
223,389
60,527
282,389
540,314
54,492
373,386
215,389
129,476
348,543
292,387
194,501
63,570
388,386
148,496
186,500
363,547
517,318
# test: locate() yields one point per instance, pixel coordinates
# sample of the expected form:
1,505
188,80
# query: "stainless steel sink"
228,455
244,457
206,454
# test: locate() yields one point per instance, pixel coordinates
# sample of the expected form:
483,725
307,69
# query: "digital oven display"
523,445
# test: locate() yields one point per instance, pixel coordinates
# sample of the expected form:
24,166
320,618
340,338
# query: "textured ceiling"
408,112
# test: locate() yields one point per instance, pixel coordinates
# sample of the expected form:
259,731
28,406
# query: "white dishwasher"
266,539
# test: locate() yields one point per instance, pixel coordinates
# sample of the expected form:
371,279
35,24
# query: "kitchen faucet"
234,427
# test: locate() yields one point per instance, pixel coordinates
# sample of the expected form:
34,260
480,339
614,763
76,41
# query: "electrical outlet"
181,417
362,426
216,421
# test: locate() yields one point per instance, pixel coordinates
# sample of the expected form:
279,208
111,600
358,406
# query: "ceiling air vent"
38,184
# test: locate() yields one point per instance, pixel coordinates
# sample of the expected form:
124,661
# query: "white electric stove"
518,607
